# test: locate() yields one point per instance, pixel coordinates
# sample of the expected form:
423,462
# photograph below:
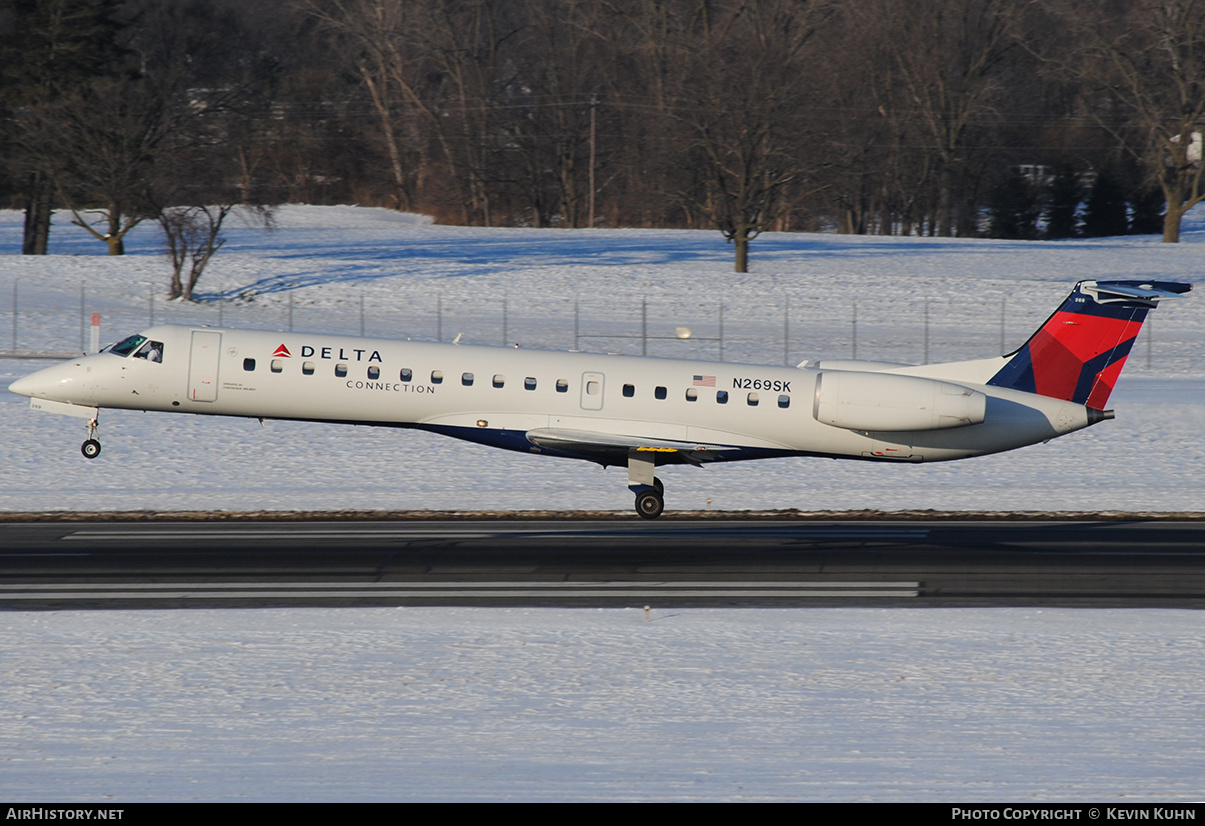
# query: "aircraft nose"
24,386
44,383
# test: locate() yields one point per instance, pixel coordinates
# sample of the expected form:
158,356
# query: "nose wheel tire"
649,503
90,449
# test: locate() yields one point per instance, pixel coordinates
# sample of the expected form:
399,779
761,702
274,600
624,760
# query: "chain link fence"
785,331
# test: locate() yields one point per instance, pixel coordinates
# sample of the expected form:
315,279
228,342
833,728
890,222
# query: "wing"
614,449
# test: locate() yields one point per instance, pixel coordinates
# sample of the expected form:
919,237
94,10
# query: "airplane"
637,412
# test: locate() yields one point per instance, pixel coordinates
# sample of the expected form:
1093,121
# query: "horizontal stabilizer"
1107,292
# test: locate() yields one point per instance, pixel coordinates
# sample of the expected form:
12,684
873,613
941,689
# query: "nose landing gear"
91,448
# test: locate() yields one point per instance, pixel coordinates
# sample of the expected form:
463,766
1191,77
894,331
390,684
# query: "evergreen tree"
1066,194
1146,212
1014,209
1106,212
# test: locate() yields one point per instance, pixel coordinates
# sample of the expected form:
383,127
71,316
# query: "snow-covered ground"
833,704
1003,705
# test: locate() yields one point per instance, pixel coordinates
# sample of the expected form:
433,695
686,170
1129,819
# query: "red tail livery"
1078,353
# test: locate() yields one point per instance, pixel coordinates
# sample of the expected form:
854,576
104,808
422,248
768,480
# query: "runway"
59,565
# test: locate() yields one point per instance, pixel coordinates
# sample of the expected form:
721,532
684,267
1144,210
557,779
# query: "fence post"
16,281
786,332
1150,333
1003,344
644,326
721,331
854,324
926,361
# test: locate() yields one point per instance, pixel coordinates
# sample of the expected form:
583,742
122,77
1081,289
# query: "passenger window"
593,388
659,392
466,379
692,394
307,368
437,376
248,364
752,399
529,383
629,390
562,386
499,380
784,401
341,370
374,372
277,366
406,374
721,397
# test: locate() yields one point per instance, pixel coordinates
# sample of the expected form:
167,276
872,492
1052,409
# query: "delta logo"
344,354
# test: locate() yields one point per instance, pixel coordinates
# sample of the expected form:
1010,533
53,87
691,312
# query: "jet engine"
887,402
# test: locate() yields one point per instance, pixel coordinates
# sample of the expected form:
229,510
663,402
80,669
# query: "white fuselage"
588,406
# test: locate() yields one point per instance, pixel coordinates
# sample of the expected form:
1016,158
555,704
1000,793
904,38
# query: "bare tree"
193,236
546,108
857,128
748,110
1144,61
643,142
947,71
105,136
48,48
110,143
746,115
469,45
382,41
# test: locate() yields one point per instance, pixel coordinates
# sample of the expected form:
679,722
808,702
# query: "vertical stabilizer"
1078,353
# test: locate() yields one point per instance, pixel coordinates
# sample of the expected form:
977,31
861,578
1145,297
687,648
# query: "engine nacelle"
854,365
887,402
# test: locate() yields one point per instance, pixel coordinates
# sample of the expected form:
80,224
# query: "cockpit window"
125,347
153,351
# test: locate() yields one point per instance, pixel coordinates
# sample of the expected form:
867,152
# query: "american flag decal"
704,381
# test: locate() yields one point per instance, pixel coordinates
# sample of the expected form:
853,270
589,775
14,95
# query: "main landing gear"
650,502
650,493
91,448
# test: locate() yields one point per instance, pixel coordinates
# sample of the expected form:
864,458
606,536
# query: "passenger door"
203,366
